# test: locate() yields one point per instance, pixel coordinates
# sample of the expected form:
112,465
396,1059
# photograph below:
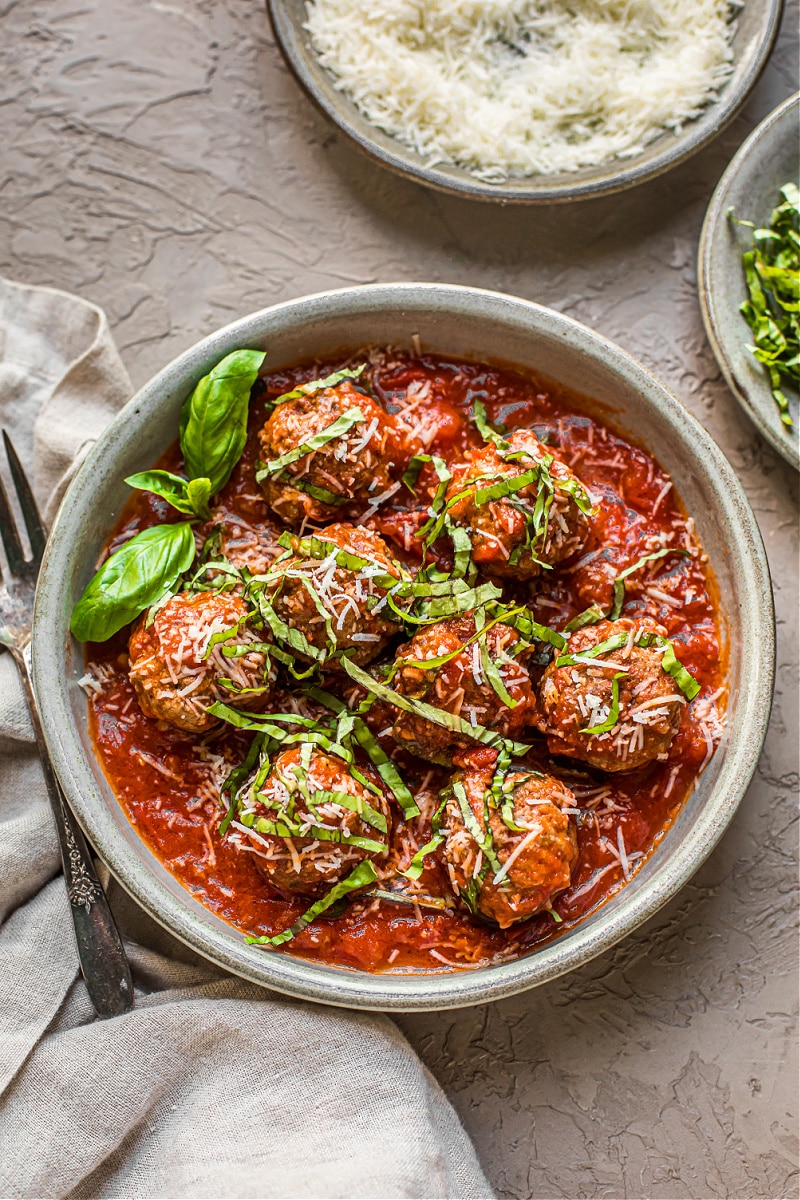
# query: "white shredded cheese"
525,87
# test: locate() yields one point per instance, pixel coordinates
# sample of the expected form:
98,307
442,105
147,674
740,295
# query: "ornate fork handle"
102,957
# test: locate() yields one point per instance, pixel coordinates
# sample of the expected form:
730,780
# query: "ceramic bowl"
756,28
763,164
468,323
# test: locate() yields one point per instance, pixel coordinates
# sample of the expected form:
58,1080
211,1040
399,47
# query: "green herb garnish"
363,875
141,573
336,429
613,712
318,385
772,310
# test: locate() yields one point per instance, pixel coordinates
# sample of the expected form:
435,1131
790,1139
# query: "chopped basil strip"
772,309
476,733
284,827
613,712
362,876
589,616
684,679
386,769
316,493
337,428
506,487
417,864
669,661
482,836
619,582
317,385
612,643
485,429
355,804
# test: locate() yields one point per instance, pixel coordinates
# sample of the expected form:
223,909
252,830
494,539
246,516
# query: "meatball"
243,543
529,836
460,686
305,792
580,696
358,616
175,674
254,546
508,539
351,467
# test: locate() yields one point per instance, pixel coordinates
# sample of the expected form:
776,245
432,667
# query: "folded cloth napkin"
210,1087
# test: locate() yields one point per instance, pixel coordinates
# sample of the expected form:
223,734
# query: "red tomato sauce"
168,781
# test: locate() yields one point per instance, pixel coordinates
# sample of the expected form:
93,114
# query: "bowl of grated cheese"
524,101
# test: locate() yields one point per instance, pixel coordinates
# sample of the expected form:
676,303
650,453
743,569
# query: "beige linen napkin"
210,1087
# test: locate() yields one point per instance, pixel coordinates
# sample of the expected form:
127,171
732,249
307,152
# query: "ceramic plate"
768,159
756,28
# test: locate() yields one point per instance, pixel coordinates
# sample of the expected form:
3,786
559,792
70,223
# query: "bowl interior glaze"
756,28
468,323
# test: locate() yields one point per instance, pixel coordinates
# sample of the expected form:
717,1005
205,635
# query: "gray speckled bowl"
756,29
763,164
449,320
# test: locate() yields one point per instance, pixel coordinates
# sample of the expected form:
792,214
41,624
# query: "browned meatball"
351,467
460,686
579,696
358,616
243,543
506,541
518,870
305,838
177,677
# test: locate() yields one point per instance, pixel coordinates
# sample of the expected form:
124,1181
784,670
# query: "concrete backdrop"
157,158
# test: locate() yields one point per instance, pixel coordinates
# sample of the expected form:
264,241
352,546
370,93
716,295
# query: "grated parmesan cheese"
525,87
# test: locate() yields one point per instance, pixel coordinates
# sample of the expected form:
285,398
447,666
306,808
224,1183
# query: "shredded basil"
353,416
318,385
684,679
613,712
483,837
619,582
429,712
772,309
417,864
589,616
362,876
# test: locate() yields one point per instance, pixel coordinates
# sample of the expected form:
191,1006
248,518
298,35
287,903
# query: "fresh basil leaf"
137,575
213,426
169,487
187,496
198,493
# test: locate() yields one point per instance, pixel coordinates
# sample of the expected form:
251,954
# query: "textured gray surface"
157,159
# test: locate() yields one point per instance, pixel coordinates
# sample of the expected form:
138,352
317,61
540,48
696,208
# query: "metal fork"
100,951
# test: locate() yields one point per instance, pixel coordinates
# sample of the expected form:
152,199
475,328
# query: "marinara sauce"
168,781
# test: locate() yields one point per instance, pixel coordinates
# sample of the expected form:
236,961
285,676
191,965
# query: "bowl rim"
302,978
699,134
712,222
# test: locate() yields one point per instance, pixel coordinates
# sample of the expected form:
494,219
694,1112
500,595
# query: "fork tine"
9,534
37,534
